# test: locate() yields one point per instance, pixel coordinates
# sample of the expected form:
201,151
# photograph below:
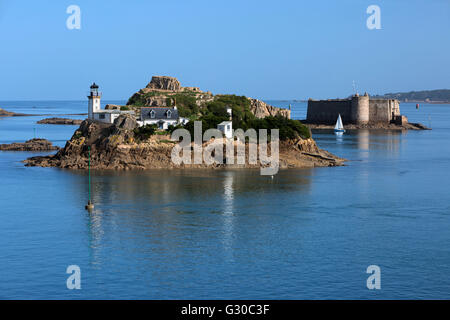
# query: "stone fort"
356,109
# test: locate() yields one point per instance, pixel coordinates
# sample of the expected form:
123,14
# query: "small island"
60,121
138,134
30,145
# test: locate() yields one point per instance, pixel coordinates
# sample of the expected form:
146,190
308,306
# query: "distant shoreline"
5,113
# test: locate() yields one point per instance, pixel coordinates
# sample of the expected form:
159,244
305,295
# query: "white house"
227,126
94,109
163,117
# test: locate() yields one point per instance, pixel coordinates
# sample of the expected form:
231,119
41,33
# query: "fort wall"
357,110
327,111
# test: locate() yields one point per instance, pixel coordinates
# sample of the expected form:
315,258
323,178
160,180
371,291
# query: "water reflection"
170,209
363,142
228,198
95,235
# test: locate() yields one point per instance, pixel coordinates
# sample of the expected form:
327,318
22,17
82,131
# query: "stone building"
357,109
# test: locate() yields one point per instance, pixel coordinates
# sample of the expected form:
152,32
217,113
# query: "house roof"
224,123
161,113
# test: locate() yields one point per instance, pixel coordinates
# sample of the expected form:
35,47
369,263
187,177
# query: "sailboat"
339,128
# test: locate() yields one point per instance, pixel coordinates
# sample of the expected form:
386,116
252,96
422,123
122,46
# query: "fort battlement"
356,109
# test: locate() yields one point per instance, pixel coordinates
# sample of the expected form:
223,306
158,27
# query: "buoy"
417,106
89,206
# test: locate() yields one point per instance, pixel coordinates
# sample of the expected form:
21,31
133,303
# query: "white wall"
166,124
227,130
107,117
93,106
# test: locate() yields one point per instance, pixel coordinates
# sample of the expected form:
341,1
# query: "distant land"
428,96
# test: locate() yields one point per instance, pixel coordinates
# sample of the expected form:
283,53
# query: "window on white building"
152,114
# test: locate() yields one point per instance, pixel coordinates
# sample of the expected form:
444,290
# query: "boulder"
261,109
164,83
125,122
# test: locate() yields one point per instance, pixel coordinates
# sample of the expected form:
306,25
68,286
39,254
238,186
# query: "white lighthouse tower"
94,101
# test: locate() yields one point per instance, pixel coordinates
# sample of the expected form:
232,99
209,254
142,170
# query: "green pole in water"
89,206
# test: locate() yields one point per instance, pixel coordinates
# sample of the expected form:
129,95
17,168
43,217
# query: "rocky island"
30,145
121,147
60,121
138,134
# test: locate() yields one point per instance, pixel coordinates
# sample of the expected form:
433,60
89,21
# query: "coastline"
116,147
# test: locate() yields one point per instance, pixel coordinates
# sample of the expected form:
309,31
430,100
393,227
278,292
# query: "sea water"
231,234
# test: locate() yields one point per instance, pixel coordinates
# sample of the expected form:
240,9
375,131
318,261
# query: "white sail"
339,124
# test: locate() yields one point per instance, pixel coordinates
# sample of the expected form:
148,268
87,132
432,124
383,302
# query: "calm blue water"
306,234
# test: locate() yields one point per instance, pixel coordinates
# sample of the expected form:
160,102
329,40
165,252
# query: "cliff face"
117,147
164,83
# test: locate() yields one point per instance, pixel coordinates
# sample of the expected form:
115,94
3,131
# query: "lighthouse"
94,101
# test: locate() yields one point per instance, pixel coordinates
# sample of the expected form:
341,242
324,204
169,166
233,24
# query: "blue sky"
263,49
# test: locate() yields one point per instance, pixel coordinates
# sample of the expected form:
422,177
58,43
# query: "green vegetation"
186,101
144,132
214,112
289,129
124,108
167,141
140,100
186,104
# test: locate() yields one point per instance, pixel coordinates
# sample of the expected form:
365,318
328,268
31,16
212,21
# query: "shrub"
288,128
144,132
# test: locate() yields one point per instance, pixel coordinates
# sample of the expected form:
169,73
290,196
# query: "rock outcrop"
117,147
163,91
261,109
30,145
63,121
164,83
